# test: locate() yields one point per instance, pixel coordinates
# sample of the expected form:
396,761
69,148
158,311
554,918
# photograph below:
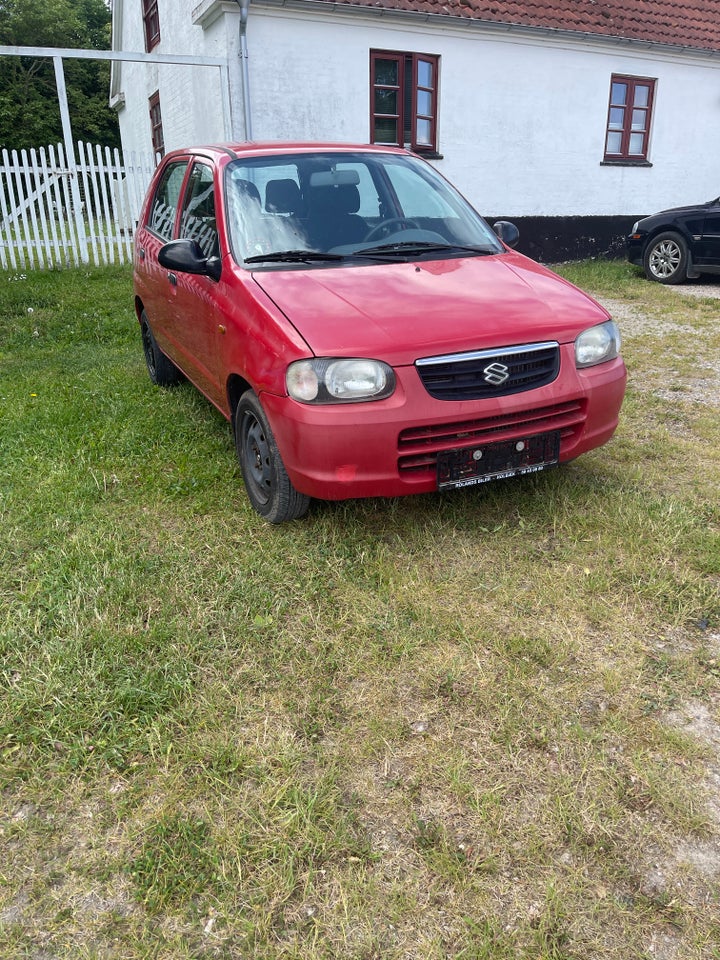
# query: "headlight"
326,380
635,226
597,344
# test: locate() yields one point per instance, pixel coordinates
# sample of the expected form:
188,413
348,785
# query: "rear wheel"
268,486
666,258
161,369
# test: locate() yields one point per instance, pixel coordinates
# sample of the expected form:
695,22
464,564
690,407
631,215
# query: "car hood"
401,312
674,211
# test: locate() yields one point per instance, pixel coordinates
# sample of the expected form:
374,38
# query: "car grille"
418,447
483,374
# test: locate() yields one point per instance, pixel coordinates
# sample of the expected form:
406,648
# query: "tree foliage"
29,109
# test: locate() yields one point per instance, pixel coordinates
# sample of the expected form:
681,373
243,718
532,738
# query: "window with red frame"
156,127
629,116
403,106
151,20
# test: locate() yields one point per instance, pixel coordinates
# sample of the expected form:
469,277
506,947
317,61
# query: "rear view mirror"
334,178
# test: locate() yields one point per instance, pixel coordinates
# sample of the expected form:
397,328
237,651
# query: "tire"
268,486
161,369
666,258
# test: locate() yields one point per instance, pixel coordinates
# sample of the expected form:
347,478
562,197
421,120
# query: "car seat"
332,216
283,196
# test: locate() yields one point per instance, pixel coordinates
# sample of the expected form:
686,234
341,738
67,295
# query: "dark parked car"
364,330
678,244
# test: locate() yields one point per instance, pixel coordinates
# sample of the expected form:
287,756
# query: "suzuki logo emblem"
496,374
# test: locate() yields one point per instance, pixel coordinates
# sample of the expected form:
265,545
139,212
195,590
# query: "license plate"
497,461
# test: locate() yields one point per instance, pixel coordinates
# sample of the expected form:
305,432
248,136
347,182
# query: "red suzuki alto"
360,325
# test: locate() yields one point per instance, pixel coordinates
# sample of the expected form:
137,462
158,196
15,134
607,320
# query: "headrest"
247,189
336,200
282,196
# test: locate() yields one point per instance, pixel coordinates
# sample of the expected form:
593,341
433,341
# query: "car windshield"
322,208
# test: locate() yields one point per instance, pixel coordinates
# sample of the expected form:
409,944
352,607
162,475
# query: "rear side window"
164,207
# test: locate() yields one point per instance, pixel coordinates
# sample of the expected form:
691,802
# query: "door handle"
173,279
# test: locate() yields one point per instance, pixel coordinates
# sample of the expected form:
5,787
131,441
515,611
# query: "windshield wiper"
420,246
292,256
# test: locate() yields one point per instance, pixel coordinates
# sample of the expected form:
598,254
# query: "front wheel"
666,258
268,486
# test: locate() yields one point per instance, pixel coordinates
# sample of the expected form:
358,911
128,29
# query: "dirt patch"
693,868
700,720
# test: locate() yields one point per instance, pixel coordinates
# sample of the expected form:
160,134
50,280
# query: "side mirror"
508,232
186,256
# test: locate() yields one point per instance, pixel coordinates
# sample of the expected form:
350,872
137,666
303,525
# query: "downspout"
244,7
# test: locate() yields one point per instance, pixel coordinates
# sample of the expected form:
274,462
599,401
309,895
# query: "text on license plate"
496,461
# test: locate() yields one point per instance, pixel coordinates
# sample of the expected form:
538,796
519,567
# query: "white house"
570,117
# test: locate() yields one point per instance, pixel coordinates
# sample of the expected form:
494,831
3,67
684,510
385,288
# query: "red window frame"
151,22
627,132
156,126
415,90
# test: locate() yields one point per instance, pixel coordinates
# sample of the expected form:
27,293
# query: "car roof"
236,150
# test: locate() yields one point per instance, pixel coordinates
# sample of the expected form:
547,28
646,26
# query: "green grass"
437,727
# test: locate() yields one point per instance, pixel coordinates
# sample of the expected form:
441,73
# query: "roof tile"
685,23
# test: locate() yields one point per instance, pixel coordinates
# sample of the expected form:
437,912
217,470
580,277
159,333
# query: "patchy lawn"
478,725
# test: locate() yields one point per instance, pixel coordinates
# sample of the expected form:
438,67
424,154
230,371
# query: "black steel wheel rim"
148,348
256,456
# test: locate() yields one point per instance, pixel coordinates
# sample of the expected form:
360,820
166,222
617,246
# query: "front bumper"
389,448
635,245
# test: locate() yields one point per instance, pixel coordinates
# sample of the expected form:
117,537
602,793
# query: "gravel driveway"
703,287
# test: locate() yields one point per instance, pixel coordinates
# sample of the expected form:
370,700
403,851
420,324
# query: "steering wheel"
381,227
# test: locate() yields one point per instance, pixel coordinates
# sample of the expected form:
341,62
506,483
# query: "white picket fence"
59,211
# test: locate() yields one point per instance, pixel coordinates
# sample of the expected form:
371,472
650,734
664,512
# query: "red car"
362,327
